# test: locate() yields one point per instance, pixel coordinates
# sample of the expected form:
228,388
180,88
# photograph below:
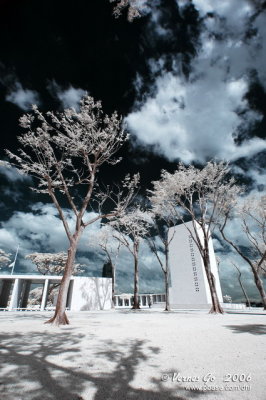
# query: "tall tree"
131,228
197,195
64,152
252,215
159,241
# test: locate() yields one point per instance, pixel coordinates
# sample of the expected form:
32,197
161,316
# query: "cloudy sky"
189,78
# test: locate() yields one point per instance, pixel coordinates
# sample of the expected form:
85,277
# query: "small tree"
162,223
131,228
227,298
196,194
239,277
64,152
4,258
49,264
52,263
252,215
106,240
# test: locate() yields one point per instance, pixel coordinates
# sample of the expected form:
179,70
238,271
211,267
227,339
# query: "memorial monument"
188,282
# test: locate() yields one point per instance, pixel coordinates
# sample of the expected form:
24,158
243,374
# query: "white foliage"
133,224
105,239
135,8
227,298
87,135
201,194
4,257
51,263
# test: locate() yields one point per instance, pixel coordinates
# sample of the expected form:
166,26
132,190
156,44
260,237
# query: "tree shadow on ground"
54,365
10,315
254,329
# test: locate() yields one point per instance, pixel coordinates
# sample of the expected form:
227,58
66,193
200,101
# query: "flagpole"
14,262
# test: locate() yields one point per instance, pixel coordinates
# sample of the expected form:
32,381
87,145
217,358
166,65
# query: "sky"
189,80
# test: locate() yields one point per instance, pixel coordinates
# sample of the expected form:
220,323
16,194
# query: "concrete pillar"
15,295
5,293
140,301
25,293
123,302
146,300
44,294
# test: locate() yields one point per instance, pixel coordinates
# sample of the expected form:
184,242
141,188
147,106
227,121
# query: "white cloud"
256,173
194,120
69,97
197,119
233,10
23,98
39,231
13,174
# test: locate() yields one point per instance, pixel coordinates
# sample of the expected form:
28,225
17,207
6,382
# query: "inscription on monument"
193,262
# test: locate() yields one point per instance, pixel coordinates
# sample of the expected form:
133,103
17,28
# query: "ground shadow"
9,315
53,365
254,329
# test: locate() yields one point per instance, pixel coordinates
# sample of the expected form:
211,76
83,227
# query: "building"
145,300
188,282
39,292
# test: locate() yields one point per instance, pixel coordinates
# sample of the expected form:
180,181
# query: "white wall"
189,286
91,294
86,293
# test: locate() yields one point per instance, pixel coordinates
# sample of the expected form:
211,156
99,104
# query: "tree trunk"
60,317
136,279
243,289
216,307
113,286
166,280
258,283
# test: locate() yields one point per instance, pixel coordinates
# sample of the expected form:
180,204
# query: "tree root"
58,319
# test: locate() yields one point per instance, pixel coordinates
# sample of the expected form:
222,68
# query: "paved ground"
122,355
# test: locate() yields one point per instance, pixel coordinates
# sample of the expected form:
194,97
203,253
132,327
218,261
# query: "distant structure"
39,292
188,282
107,270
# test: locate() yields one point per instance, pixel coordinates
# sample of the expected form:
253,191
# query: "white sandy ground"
124,355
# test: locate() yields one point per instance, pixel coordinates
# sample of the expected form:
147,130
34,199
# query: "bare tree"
239,275
64,152
198,195
131,228
162,223
52,263
252,214
106,240
4,257
134,8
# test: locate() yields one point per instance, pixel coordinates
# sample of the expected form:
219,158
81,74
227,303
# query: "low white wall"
86,293
91,294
